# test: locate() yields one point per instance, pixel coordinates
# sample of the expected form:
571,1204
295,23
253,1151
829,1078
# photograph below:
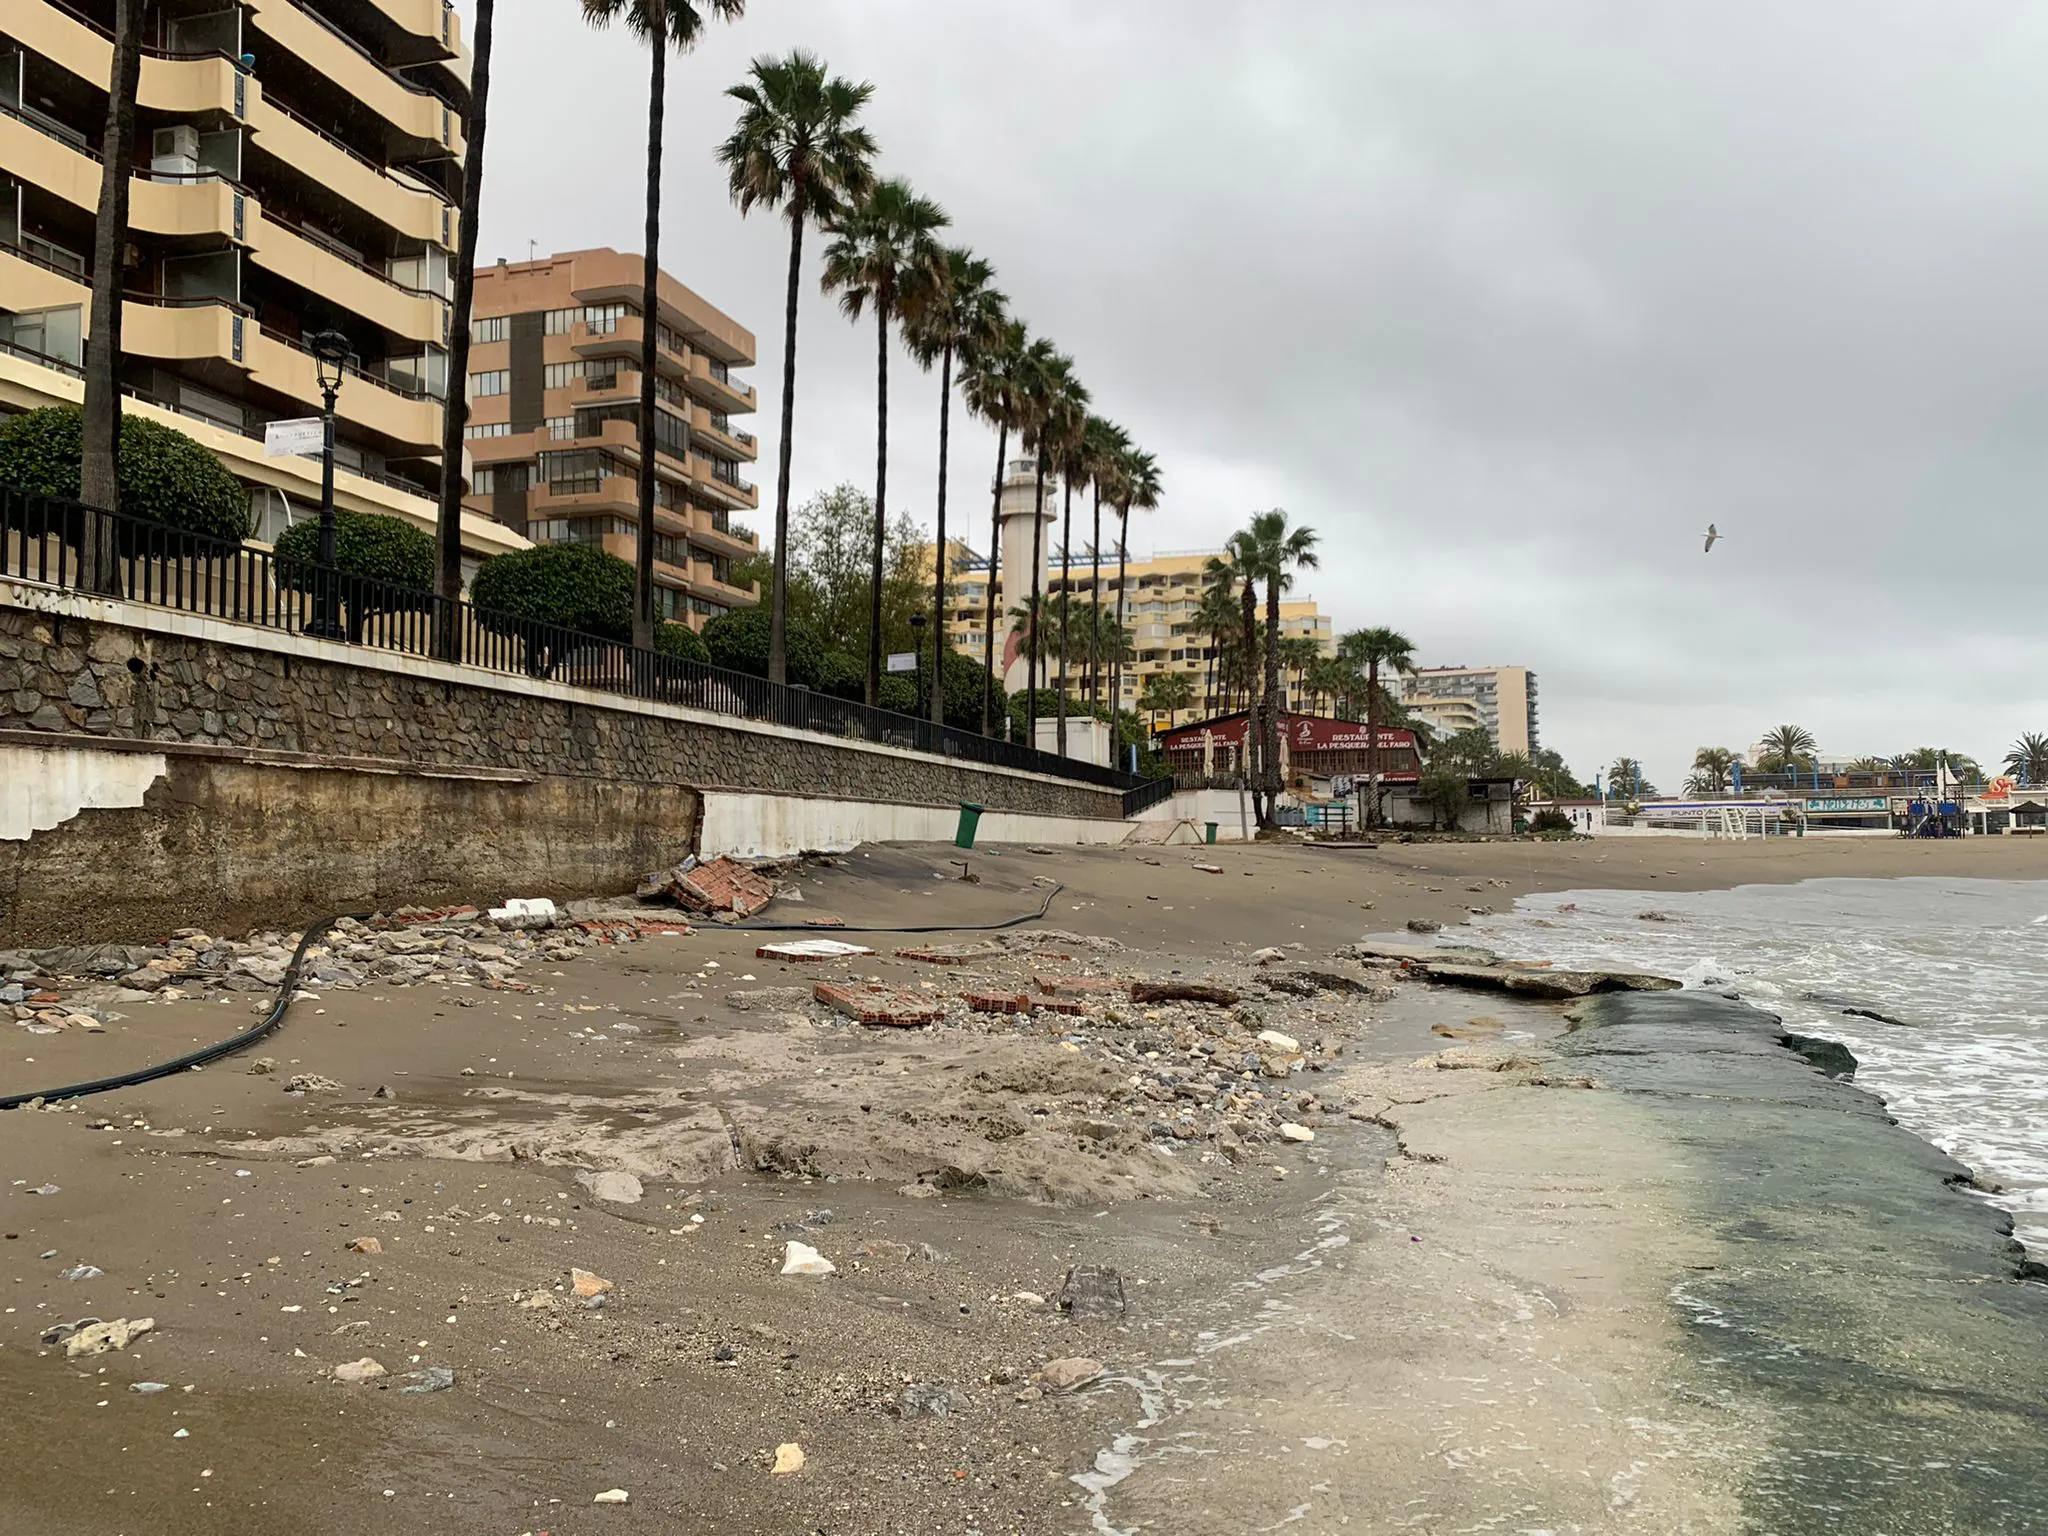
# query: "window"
671,550
488,429
489,479
601,319
561,375
561,428
576,530
579,470
55,333
487,330
483,482
483,385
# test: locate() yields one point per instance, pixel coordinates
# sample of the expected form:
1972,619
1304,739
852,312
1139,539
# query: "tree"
1083,452
1297,654
100,479
1166,693
164,476
960,691
1372,650
1785,747
948,311
1273,552
1961,766
992,379
455,412
1712,766
888,240
738,640
1216,615
531,594
1056,409
1625,780
664,24
1138,486
395,559
1108,449
2028,759
797,148
831,558
1554,779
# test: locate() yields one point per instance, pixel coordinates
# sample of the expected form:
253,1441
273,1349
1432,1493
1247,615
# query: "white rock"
526,912
789,1459
1289,1131
355,1371
1269,956
1278,1041
613,1496
101,1337
803,1259
618,1188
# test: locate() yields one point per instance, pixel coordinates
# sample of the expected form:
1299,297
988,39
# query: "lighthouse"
1020,508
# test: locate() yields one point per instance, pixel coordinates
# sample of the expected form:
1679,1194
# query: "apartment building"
554,425
1164,592
1498,700
295,171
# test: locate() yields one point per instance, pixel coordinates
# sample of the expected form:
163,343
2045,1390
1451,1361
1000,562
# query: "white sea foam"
1964,963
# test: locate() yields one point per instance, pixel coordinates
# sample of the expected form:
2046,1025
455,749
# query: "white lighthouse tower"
1020,502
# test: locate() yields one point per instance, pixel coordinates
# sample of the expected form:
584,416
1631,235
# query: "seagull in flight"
1713,533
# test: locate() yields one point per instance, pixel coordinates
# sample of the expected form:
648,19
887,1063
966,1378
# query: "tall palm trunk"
874,689
650,330
1095,613
99,475
995,541
1269,706
1116,660
1066,605
1253,742
1031,651
778,602
939,564
1372,740
448,532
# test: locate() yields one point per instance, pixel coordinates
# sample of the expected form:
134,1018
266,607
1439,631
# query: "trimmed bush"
369,545
573,586
166,477
963,685
899,694
841,676
738,641
681,642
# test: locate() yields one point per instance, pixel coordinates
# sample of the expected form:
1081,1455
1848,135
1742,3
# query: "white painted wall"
772,826
1197,807
42,787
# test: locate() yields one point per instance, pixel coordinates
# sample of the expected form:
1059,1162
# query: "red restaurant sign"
1305,733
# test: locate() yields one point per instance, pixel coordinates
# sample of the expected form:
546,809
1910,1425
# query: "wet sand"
1522,1362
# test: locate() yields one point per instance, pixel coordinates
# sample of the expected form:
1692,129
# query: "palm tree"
1166,693
455,414
992,377
1371,650
1081,456
1137,484
1625,777
1274,552
1297,654
796,147
665,24
1713,766
99,480
1216,616
884,242
1057,411
949,310
2028,759
1784,747
1107,448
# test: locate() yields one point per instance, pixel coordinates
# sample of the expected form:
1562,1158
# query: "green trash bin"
1212,830
970,818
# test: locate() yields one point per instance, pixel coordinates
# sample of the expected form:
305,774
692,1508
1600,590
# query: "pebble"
357,1371
1289,1131
613,1187
1065,1375
365,1245
613,1496
789,1459
803,1259
584,1283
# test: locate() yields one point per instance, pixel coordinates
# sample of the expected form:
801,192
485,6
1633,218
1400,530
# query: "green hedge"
681,641
574,586
739,642
369,545
166,477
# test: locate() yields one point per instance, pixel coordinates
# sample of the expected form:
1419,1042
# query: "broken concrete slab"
722,885
811,949
952,954
1541,984
1183,992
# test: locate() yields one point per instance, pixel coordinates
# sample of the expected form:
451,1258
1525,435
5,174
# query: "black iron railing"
68,545
1151,792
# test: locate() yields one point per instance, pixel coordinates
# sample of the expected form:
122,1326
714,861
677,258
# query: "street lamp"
917,624
331,357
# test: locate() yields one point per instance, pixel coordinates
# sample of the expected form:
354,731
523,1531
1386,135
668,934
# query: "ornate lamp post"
331,357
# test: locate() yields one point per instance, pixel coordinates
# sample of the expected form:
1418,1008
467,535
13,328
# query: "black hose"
824,929
200,1057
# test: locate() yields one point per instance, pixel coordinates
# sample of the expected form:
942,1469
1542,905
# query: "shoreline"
1461,1257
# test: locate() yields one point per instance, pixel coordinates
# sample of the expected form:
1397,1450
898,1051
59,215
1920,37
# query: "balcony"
187,87
711,383
410,211
623,342
740,445
718,541
427,126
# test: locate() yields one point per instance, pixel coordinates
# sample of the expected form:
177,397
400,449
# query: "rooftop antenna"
531,247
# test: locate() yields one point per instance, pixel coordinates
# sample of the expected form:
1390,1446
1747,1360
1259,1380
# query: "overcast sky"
1507,300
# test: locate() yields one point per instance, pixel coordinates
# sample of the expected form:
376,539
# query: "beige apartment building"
1165,590
554,421
1498,700
310,188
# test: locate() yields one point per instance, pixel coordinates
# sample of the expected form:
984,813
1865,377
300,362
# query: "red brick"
722,886
1073,1007
952,954
998,1002
885,1007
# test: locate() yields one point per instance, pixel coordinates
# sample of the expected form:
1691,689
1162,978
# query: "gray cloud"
1506,299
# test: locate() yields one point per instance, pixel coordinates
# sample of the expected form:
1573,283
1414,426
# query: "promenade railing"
73,547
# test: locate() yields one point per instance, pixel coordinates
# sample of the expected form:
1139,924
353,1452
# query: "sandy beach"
1449,1307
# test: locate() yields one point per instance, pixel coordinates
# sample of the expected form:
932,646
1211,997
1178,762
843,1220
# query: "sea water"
1961,965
